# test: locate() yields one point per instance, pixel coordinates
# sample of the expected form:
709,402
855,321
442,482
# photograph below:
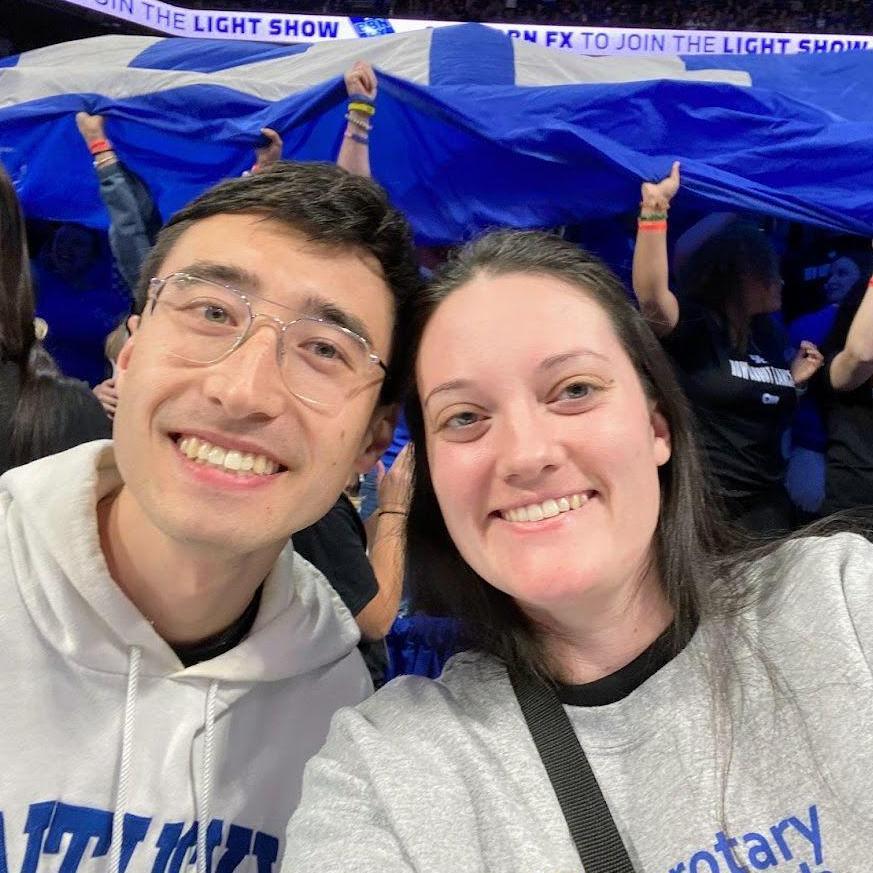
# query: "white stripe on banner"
82,67
273,27
533,66
114,51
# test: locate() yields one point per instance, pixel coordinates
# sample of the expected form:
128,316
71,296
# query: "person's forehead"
514,322
273,261
518,304
258,241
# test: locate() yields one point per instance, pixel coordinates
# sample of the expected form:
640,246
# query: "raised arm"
650,266
133,216
853,364
354,153
387,551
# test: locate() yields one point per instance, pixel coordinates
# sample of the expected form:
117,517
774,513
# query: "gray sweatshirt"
773,773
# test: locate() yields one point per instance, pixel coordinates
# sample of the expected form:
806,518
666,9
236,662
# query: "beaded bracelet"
357,122
365,108
357,137
653,216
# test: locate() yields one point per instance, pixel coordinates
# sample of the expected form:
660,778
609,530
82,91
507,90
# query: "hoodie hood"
61,573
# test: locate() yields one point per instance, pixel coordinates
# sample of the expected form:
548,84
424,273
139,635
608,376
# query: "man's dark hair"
328,206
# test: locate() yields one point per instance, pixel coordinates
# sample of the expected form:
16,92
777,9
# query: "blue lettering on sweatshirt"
789,844
83,833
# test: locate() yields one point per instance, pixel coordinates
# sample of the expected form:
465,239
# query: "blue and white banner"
473,128
273,27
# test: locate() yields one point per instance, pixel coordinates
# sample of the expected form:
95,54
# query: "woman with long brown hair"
713,703
41,410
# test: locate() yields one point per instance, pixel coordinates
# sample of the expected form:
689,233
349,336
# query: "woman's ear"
663,443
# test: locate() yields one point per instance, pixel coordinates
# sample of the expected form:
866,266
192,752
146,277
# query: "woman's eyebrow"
547,364
447,386
557,360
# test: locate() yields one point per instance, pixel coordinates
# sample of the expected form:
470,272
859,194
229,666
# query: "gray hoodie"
442,776
101,724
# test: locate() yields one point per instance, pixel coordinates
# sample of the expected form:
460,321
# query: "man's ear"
123,359
378,437
663,442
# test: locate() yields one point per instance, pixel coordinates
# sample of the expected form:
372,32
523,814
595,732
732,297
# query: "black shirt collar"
616,686
204,650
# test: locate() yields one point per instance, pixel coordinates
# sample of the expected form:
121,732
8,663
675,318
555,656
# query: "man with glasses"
170,666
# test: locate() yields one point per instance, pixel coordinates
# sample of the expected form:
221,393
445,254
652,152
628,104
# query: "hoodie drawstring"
203,811
121,791
126,754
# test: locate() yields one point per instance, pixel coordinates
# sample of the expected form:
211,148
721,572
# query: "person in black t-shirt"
729,355
847,386
337,545
370,585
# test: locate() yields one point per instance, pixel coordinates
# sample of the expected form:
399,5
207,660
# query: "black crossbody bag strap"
591,824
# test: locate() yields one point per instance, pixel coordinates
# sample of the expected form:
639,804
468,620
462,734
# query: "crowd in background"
608,528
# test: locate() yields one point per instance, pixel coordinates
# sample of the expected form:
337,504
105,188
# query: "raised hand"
361,79
657,195
107,394
395,486
269,153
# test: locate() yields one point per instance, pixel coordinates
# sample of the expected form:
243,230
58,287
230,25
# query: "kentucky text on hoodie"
68,837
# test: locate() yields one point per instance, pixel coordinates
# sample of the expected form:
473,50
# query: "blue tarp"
472,130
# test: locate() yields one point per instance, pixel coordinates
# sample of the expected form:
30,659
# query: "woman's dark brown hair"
16,290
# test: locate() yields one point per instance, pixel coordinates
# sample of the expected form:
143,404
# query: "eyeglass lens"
319,361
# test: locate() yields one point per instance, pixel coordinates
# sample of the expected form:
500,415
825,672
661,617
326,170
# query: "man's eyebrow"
243,280
224,274
319,307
